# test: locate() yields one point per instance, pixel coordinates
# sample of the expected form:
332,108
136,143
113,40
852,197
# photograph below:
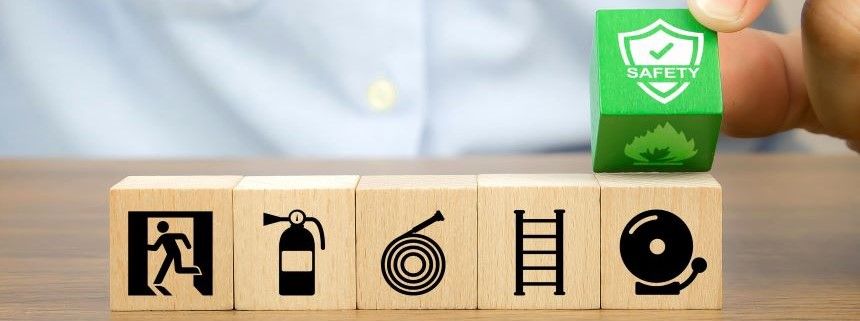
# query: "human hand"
806,79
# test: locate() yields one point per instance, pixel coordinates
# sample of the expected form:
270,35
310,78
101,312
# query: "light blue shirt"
203,78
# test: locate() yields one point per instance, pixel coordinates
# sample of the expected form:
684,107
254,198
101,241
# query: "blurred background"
339,79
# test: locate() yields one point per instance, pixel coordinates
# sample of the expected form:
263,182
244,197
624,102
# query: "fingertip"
727,15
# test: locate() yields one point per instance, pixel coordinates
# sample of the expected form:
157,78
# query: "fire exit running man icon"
172,256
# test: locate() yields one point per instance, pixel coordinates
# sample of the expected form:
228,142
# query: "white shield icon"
661,45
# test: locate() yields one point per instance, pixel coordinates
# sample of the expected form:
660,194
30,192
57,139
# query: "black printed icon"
558,251
656,247
172,243
418,246
297,253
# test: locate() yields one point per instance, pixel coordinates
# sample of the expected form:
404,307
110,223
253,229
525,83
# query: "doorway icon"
172,242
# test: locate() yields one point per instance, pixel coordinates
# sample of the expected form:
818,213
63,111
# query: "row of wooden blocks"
498,241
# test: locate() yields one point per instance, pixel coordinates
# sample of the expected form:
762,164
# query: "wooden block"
406,257
519,265
656,100
661,241
283,266
183,224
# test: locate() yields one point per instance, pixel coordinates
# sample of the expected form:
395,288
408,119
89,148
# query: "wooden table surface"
791,233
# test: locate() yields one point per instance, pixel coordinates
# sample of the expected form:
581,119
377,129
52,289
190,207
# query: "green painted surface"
656,103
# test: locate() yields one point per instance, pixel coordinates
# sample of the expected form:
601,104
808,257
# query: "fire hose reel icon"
425,250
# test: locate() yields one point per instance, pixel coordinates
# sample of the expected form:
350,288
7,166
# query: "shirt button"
381,95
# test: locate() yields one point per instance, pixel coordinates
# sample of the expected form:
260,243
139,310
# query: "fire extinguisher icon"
296,253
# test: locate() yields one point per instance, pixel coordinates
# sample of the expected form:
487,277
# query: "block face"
407,257
279,260
661,241
171,243
672,132
656,95
631,47
510,256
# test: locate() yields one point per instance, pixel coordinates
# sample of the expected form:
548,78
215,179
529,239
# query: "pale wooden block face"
657,244
296,274
538,196
198,209
387,207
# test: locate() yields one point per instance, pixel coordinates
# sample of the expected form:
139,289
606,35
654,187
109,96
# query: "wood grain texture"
329,199
538,195
389,206
791,227
696,199
170,194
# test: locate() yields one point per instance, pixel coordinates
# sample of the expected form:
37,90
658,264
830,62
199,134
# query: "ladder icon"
558,252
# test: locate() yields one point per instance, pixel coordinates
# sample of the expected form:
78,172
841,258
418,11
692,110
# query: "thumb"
727,15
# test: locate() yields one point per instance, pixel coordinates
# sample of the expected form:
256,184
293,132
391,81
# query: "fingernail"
726,10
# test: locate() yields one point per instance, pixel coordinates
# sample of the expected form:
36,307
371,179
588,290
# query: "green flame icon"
661,146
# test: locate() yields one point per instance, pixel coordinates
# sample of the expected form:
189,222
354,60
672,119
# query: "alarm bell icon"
656,247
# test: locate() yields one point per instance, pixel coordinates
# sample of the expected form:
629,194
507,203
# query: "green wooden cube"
656,103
